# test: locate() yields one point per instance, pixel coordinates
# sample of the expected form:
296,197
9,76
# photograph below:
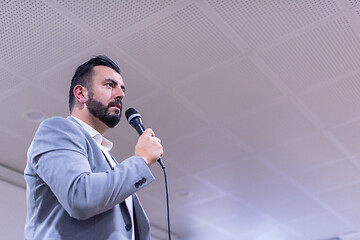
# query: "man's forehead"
103,72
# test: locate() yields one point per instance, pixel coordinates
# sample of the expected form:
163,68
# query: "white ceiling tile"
183,44
109,19
13,151
354,235
168,117
8,80
236,88
315,56
249,223
323,226
352,215
276,125
341,198
210,232
204,150
337,102
29,99
353,2
269,194
302,154
330,176
214,209
173,171
259,22
185,191
278,232
239,174
35,37
295,209
58,81
349,136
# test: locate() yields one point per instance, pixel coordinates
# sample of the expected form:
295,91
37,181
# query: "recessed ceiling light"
34,115
184,193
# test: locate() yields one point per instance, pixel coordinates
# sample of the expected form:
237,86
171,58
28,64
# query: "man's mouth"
117,105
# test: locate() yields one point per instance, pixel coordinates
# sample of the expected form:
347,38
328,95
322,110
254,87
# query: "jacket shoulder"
59,122
59,133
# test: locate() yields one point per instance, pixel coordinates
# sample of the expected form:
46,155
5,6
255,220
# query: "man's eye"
109,84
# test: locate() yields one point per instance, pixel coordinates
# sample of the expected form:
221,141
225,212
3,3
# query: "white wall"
12,211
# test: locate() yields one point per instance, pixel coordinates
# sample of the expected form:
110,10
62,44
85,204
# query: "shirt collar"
99,139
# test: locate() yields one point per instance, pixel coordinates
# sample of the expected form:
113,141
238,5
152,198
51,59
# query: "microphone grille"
130,112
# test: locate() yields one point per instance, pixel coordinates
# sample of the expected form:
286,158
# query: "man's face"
105,96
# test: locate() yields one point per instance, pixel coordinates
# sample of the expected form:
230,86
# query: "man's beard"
100,111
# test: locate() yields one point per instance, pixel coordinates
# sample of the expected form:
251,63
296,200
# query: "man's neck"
91,121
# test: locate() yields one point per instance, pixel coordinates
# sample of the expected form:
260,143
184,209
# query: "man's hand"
149,147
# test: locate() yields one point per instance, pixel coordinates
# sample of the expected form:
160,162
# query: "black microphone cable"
167,197
134,119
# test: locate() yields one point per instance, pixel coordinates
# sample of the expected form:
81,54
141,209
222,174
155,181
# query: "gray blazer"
73,193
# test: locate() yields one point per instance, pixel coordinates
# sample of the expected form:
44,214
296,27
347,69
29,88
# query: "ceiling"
257,104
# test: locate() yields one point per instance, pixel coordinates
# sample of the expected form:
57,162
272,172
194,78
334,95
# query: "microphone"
134,119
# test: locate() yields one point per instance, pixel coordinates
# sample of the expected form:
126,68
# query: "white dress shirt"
105,146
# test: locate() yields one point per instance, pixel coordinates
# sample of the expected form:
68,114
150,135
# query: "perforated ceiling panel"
349,136
353,2
302,154
258,22
357,12
241,79
273,126
7,80
109,19
316,56
184,43
337,102
29,27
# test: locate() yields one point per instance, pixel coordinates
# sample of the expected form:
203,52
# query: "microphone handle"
140,129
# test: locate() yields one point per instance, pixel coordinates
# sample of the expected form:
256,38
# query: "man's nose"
119,93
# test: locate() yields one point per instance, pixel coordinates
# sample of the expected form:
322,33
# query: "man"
75,188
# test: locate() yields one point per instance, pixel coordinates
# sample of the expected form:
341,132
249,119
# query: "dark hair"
84,72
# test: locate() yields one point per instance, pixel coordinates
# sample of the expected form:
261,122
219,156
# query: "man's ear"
81,94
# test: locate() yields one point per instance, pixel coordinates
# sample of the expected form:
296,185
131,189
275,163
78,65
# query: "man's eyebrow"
110,80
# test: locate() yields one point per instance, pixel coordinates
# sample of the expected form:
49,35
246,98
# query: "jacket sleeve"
58,154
